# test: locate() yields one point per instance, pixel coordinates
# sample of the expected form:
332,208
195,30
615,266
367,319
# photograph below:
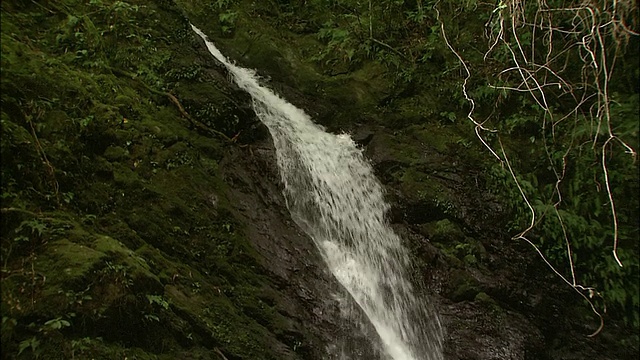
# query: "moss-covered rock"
444,231
463,286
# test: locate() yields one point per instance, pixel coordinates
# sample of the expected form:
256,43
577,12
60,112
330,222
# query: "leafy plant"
32,343
32,227
227,21
152,317
55,324
158,300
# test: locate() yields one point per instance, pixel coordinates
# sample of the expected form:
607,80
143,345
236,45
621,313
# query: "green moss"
439,138
447,231
470,259
66,262
116,153
485,299
489,303
418,184
464,287
404,149
125,177
459,248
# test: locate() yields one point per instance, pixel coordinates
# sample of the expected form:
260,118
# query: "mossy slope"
118,238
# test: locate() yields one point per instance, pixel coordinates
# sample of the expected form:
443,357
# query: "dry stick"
573,112
566,237
524,197
33,279
605,172
44,7
6,259
378,41
478,127
390,48
585,45
498,37
217,351
40,150
521,71
12,209
557,75
515,60
559,178
603,100
534,27
370,21
518,89
607,113
547,110
515,34
199,125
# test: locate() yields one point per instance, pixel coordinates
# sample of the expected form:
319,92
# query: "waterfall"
334,197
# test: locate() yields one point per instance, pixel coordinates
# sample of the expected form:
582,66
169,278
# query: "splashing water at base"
334,197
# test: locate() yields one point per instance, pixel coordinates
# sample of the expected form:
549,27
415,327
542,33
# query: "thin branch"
217,351
390,48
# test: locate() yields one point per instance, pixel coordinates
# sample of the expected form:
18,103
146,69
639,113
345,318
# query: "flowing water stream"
334,197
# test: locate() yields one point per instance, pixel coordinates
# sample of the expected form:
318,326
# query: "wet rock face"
289,255
477,325
477,330
363,135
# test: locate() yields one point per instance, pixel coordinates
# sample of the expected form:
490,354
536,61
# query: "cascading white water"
335,198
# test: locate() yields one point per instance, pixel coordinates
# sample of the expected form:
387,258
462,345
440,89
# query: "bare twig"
50,169
217,351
